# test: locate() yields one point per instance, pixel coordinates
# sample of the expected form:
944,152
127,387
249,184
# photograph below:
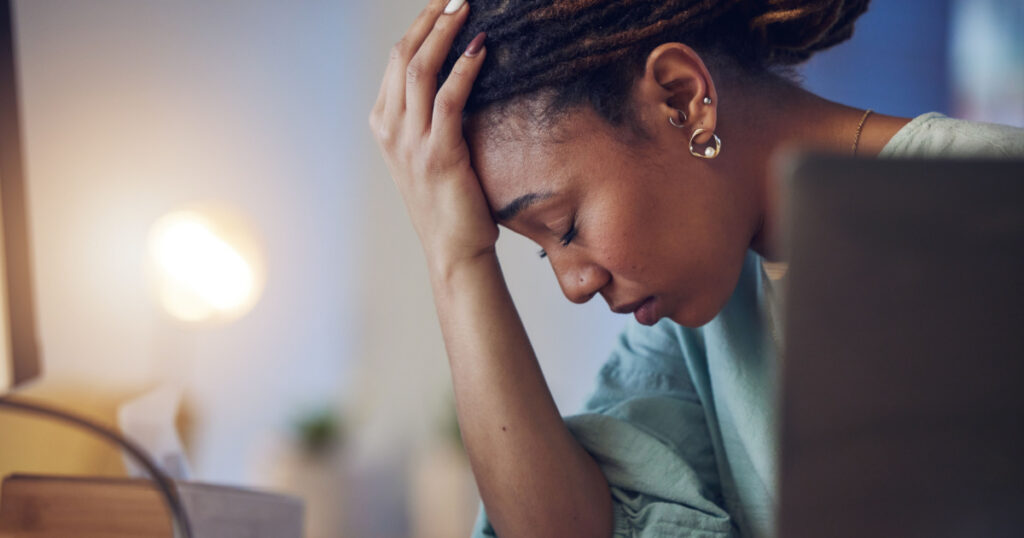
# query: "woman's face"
641,223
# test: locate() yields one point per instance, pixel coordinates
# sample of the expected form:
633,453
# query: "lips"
629,308
647,312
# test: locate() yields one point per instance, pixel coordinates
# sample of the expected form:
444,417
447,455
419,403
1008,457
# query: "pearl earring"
710,152
707,100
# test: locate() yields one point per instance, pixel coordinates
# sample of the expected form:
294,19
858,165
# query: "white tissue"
149,421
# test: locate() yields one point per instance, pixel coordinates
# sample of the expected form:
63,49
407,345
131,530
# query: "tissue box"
33,506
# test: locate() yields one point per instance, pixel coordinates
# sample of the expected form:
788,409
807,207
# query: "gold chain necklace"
772,273
860,126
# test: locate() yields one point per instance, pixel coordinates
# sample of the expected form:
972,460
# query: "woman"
631,140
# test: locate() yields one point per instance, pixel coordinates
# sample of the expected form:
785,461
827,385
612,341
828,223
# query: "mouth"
631,307
645,310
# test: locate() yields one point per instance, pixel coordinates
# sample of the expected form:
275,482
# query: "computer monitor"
19,349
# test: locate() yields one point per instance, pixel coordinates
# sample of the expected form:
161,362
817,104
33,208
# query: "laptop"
901,404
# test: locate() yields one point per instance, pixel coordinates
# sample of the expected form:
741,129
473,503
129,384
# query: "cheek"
624,243
712,249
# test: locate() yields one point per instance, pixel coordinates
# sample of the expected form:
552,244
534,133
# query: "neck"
765,120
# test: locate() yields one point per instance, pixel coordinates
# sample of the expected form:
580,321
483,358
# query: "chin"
694,314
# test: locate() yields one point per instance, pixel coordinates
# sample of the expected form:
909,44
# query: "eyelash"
566,239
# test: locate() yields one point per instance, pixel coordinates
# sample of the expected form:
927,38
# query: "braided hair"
591,51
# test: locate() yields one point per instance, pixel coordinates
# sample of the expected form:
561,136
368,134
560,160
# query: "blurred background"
327,376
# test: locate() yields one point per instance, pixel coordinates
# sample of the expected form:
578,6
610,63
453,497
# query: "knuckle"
433,9
385,135
400,50
438,156
443,25
415,72
446,106
433,163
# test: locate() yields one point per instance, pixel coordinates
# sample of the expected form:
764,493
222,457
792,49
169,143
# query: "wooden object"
34,506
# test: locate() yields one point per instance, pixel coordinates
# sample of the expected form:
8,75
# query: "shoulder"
936,135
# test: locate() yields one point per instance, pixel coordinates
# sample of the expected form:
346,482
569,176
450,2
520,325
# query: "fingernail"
476,44
453,6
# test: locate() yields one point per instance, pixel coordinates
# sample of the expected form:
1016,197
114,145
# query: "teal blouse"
682,420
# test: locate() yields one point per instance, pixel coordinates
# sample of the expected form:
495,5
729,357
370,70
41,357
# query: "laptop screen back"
902,383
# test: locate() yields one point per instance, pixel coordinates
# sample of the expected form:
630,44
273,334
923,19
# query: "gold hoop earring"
710,152
675,124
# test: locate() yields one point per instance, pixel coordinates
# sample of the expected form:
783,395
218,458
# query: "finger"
421,75
446,123
403,51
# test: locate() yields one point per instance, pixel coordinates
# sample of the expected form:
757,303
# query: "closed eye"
566,239
569,236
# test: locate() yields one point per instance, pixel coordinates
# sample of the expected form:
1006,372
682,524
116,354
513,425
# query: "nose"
580,280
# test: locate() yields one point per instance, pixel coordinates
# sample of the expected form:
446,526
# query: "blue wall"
895,63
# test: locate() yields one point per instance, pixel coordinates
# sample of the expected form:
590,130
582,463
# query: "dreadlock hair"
575,52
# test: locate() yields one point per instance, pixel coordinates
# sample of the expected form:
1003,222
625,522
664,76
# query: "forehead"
514,156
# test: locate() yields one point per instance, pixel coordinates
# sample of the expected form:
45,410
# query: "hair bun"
789,32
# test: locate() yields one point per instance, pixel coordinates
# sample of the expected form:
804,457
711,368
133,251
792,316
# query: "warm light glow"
203,269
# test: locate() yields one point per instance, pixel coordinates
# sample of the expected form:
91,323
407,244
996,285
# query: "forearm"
534,477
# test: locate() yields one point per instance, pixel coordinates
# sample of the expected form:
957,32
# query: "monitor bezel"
23,349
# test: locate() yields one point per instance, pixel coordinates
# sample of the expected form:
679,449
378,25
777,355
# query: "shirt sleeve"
645,426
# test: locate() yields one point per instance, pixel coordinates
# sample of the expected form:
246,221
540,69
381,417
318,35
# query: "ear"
675,78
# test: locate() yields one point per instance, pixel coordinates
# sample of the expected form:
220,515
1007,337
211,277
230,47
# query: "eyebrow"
519,204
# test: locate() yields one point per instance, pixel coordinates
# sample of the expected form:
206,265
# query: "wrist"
444,268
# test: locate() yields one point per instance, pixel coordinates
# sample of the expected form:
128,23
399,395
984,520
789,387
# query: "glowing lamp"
206,265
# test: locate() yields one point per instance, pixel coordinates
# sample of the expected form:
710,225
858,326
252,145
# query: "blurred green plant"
319,431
